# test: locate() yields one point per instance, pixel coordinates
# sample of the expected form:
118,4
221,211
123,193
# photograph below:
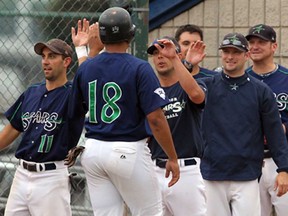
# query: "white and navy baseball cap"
262,31
55,45
235,40
152,46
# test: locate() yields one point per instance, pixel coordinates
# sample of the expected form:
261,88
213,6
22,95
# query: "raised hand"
196,52
81,37
167,48
94,42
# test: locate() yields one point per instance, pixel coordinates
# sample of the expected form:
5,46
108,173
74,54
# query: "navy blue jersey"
203,72
118,90
237,114
184,119
42,116
278,82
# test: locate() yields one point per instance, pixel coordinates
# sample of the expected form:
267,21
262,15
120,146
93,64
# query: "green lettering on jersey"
109,107
92,101
111,102
43,143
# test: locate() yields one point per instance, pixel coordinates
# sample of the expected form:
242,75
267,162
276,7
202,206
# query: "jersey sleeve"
204,88
150,93
14,113
77,107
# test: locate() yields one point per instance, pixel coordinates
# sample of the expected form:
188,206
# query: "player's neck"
263,67
53,84
167,79
117,48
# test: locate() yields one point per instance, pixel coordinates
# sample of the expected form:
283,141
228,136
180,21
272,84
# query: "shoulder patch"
160,92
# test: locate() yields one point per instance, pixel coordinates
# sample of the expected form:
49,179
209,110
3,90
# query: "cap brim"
151,49
256,35
38,48
233,46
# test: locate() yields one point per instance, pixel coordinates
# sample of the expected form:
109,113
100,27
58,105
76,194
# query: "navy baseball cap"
55,45
262,31
235,40
152,48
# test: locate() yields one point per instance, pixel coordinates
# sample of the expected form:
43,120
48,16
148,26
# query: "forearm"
7,136
188,83
161,132
93,52
82,54
285,127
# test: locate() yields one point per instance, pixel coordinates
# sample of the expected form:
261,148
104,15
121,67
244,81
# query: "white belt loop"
38,167
181,162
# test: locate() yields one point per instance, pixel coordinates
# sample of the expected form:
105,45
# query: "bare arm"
188,83
195,54
94,42
162,134
80,38
284,127
8,135
86,36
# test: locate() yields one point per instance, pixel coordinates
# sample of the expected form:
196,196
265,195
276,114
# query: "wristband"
81,51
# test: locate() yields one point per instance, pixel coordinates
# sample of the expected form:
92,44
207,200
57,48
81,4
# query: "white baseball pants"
268,197
232,198
118,172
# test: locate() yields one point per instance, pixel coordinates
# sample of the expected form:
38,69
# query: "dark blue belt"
186,162
267,154
33,167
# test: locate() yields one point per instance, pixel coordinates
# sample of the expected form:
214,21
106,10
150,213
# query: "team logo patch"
160,92
115,29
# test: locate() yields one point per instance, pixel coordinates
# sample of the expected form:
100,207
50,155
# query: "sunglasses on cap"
233,42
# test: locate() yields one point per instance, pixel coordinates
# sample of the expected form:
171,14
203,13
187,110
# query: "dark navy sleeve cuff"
282,170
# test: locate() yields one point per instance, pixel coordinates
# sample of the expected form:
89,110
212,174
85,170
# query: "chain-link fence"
22,24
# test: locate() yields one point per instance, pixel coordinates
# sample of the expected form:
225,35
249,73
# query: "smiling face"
54,65
233,61
261,50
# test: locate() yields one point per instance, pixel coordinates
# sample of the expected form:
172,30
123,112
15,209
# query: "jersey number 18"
110,110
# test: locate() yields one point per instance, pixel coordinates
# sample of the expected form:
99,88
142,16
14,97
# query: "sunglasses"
233,42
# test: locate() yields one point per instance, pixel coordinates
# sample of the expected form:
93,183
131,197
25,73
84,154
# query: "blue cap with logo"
262,31
235,40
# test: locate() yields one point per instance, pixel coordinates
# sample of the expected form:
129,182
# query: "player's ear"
67,61
274,46
247,55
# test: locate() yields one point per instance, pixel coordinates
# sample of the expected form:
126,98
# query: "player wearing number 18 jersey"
119,91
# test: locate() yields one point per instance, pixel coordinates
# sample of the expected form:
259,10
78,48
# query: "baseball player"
41,182
187,35
119,92
183,114
239,111
263,45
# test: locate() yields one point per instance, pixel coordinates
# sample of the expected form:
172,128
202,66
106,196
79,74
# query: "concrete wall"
219,17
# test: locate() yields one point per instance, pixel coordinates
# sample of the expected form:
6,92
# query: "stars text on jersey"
50,120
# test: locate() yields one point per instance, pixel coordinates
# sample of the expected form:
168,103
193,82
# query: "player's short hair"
188,28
